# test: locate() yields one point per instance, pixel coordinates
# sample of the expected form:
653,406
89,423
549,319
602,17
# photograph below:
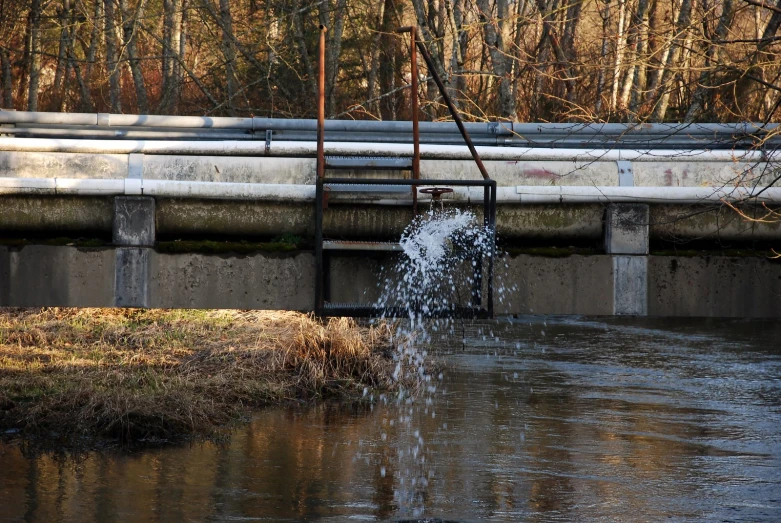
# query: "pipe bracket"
626,177
135,166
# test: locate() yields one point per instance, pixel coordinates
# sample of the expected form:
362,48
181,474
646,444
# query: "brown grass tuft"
134,375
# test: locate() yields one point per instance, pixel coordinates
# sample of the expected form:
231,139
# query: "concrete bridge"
146,211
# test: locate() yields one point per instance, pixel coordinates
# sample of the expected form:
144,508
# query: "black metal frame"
322,262
322,276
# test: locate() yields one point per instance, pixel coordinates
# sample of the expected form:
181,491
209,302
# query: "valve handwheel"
436,192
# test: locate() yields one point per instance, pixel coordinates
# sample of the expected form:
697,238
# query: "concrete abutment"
624,280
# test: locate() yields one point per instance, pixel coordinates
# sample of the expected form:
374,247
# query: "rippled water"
534,420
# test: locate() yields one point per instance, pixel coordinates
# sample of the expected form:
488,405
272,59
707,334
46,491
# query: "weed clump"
129,376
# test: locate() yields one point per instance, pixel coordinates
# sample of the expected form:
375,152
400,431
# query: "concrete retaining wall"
36,276
68,215
43,276
714,286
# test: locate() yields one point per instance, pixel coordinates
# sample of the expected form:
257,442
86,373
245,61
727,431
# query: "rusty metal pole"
453,111
321,107
415,126
414,109
320,199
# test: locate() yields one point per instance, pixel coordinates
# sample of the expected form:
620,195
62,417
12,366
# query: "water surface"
534,419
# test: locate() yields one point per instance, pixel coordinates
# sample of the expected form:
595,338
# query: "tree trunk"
85,104
179,62
298,31
620,48
391,61
170,47
568,39
496,33
94,38
639,76
550,36
429,29
112,57
35,55
21,89
5,69
455,17
601,80
333,18
744,102
63,63
682,30
228,53
129,37
374,62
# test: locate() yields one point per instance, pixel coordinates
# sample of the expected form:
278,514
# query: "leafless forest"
523,60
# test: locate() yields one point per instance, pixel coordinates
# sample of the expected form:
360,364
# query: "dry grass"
134,375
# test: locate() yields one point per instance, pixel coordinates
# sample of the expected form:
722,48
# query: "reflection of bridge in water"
158,211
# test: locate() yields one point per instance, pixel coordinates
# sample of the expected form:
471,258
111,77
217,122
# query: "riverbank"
87,376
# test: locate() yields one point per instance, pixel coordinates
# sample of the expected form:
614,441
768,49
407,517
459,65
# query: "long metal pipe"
428,151
547,141
104,120
306,193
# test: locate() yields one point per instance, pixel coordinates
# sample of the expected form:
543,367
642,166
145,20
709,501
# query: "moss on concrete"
58,241
726,253
552,252
283,244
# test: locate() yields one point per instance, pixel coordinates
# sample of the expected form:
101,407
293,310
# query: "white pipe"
124,120
670,195
159,188
306,193
427,151
535,194
229,191
661,130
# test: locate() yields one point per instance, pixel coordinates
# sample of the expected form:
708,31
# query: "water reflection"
536,420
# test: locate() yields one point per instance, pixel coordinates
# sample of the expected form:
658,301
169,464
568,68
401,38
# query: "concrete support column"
626,238
134,234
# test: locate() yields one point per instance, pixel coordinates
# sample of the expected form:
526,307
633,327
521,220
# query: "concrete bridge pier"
626,239
134,236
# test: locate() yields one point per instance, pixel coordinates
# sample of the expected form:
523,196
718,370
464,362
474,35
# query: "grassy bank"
79,376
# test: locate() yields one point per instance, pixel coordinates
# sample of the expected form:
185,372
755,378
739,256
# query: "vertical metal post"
415,127
413,38
492,232
319,196
321,107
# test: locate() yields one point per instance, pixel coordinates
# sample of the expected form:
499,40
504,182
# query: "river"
534,420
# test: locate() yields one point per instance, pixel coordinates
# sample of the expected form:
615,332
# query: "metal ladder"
324,186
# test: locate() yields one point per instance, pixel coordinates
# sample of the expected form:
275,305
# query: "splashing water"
438,273
440,270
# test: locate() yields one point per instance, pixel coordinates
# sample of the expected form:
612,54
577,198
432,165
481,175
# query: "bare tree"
112,56
498,38
680,33
7,85
130,18
229,53
34,67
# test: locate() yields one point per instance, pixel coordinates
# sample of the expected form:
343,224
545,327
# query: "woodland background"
521,60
